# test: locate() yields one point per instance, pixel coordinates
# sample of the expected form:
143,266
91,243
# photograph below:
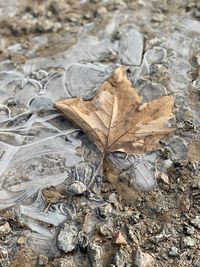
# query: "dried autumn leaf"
116,120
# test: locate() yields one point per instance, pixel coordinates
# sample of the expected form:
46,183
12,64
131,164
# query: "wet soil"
112,222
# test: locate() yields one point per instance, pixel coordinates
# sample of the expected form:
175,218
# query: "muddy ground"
112,226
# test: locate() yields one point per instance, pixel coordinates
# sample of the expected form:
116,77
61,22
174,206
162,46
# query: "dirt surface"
116,224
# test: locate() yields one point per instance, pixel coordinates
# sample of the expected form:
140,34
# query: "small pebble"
173,251
77,188
196,263
21,240
5,229
83,240
122,258
196,222
143,259
190,230
95,254
68,237
188,242
104,211
160,237
106,230
102,12
132,235
158,17
164,178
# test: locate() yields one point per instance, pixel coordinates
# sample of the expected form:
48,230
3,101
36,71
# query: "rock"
95,255
142,259
4,258
184,202
173,252
178,147
167,163
104,211
196,222
196,263
160,237
158,17
68,237
122,258
5,229
2,46
131,46
102,12
113,200
43,260
21,240
164,178
89,222
132,235
196,185
120,4
83,240
189,230
77,188
106,230
120,239
188,242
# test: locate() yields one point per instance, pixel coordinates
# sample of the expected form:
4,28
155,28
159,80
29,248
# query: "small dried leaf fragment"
52,196
120,239
116,120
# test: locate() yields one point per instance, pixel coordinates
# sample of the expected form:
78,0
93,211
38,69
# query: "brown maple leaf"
115,119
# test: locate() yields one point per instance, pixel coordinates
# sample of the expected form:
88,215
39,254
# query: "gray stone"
122,258
160,237
173,252
131,46
196,263
106,230
83,240
188,242
95,255
102,12
196,222
190,230
68,237
178,147
104,211
143,259
158,17
132,234
77,188
5,229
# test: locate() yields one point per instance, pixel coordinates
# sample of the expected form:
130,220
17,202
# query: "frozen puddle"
41,149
